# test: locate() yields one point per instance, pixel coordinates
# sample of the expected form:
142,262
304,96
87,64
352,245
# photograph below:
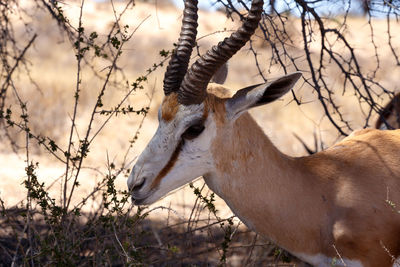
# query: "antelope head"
189,117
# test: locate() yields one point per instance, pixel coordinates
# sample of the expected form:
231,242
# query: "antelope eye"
193,131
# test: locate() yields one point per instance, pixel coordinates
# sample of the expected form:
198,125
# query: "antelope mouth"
141,199
138,201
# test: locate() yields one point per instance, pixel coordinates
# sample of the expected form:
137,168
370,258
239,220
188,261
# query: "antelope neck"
271,186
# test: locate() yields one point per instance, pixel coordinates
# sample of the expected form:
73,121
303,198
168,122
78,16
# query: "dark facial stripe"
168,166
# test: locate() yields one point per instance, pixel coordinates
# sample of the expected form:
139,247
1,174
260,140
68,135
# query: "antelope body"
333,208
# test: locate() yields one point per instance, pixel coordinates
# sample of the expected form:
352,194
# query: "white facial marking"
170,161
320,260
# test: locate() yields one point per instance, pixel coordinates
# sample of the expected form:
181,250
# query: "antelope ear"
260,94
221,74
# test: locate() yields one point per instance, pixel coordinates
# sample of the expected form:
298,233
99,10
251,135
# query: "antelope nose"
137,185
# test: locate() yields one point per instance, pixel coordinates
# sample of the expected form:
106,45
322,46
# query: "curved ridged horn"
179,61
194,85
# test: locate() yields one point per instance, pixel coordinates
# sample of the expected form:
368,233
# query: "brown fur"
169,107
335,201
215,100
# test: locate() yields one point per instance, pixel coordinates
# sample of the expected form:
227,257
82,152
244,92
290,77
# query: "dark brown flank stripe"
168,166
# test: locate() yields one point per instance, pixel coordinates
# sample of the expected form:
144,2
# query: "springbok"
336,207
